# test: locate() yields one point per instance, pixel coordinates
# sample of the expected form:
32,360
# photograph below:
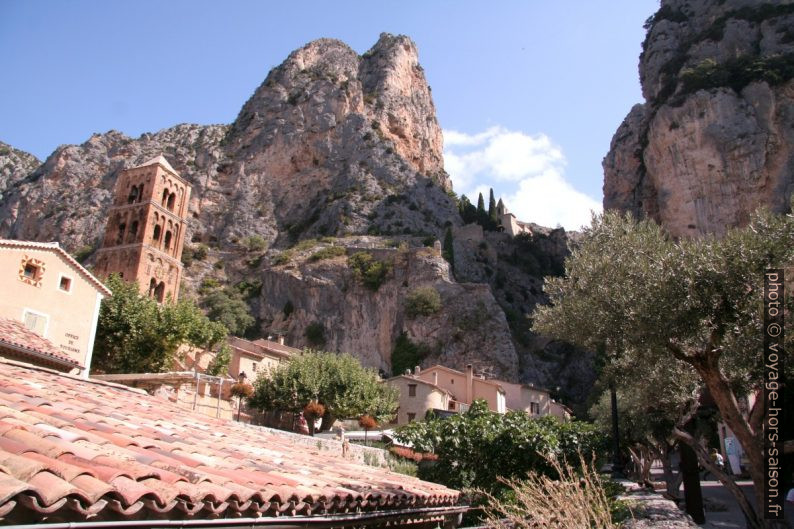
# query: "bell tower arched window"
167,241
156,234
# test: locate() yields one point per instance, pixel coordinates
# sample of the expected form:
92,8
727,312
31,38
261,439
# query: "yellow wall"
456,383
520,397
70,316
427,398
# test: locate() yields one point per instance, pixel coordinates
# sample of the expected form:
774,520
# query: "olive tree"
630,289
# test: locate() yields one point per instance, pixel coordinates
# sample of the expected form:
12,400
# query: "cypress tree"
482,216
448,251
492,210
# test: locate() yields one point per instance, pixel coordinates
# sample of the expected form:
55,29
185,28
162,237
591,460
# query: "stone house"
465,388
49,292
260,356
527,398
417,397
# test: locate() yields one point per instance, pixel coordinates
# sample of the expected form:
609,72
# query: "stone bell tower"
146,229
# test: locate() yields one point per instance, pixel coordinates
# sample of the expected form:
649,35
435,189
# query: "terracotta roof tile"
26,343
74,449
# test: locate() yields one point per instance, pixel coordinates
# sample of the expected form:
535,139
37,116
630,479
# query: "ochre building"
146,229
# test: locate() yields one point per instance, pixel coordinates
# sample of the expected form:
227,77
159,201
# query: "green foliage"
200,252
370,271
448,249
283,258
315,334
407,355
422,301
492,216
228,307
402,465
528,254
328,252
337,381
135,334
476,448
219,365
305,244
253,243
83,253
187,256
738,72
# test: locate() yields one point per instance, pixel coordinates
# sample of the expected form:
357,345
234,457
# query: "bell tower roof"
158,160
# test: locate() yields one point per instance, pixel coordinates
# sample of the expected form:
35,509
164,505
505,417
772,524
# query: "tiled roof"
72,449
415,380
26,343
160,160
55,247
263,347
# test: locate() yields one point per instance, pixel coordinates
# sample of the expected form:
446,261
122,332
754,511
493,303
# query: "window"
65,284
451,380
36,322
411,417
534,408
156,234
171,199
255,366
412,390
31,271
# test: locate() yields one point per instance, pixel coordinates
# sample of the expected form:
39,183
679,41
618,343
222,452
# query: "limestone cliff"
714,139
14,164
333,150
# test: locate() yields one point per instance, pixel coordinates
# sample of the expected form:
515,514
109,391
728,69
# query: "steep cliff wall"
333,149
714,140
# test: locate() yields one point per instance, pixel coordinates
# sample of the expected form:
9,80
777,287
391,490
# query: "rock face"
713,141
332,150
14,164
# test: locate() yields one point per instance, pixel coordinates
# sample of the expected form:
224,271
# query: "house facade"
252,358
465,387
527,398
417,397
52,295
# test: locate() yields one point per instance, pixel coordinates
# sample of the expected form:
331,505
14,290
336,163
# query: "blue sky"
528,92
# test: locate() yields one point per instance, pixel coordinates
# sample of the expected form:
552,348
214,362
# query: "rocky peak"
713,141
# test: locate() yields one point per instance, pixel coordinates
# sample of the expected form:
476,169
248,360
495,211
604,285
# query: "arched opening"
120,236
140,192
134,195
152,287
171,200
165,198
133,231
159,292
167,241
156,234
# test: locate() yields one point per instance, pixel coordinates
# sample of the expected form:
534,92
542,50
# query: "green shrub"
283,258
228,307
315,334
305,245
476,448
83,253
187,256
422,301
407,355
370,271
328,252
200,253
253,243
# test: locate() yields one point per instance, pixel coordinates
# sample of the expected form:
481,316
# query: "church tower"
146,229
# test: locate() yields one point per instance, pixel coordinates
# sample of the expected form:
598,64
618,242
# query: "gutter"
44,356
452,514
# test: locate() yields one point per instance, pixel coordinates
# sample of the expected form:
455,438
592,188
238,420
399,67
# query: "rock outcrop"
333,150
14,165
713,141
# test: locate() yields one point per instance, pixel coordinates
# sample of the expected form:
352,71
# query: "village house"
251,358
76,451
417,397
47,292
444,390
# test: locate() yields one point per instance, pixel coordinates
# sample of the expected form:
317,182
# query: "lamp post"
617,461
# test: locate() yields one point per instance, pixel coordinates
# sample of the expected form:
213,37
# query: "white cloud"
525,170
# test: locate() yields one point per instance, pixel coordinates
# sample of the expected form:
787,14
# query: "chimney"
435,378
281,339
408,372
469,383
417,369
